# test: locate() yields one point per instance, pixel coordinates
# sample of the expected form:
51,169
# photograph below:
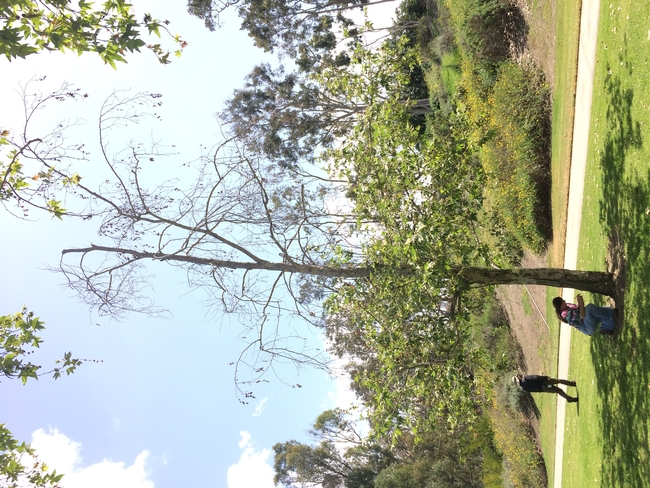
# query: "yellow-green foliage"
517,445
450,72
480,27
474,89
507,105
513,157
492,470
483,442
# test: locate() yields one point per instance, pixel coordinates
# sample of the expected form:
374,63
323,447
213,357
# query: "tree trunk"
591,281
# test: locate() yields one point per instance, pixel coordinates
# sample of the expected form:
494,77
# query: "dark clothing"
534,383
546,384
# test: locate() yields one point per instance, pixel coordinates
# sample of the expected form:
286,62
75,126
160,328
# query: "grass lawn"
607,437
547,404
564,91
565,72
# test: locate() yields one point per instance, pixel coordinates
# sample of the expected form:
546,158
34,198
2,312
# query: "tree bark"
591,281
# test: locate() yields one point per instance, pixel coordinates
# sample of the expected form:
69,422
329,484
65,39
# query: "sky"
160,408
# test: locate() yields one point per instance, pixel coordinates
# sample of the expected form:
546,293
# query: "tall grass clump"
481,27
516,156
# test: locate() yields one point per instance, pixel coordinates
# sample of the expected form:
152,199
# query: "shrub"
515,158
507,249
481,27
401,476
490,331
523,463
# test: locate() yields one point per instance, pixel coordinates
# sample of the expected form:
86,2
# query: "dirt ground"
525,307
526,310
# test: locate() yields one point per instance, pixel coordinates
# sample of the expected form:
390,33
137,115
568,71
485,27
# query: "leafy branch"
111,30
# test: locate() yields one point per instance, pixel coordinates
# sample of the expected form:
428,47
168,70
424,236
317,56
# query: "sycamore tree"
35,169
110,29
20,466
19,339
267,244
271,246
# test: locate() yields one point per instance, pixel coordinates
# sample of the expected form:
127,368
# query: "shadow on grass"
529,407
623,366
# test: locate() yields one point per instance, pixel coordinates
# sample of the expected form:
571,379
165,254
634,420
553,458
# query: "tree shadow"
623,365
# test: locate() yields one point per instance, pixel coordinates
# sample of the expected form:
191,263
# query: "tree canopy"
283,25
290,117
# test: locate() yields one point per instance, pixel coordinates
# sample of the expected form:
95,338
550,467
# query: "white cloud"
63,454
253,469
259,408
245,439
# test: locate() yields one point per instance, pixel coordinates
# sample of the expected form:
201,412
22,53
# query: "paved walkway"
584,90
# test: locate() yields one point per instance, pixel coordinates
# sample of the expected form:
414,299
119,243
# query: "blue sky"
160,410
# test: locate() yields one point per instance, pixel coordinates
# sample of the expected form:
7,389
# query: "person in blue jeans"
543,384
585,318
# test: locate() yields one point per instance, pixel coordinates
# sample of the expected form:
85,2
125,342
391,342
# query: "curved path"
584,90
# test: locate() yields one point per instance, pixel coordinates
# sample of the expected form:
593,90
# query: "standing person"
585,318
544,384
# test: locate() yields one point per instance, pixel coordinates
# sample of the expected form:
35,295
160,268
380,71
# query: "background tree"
30,26
279,24
290,117
439,459
342,458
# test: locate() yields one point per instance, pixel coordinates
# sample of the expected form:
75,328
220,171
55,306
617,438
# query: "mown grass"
606,441
567,33
548,404
564,89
